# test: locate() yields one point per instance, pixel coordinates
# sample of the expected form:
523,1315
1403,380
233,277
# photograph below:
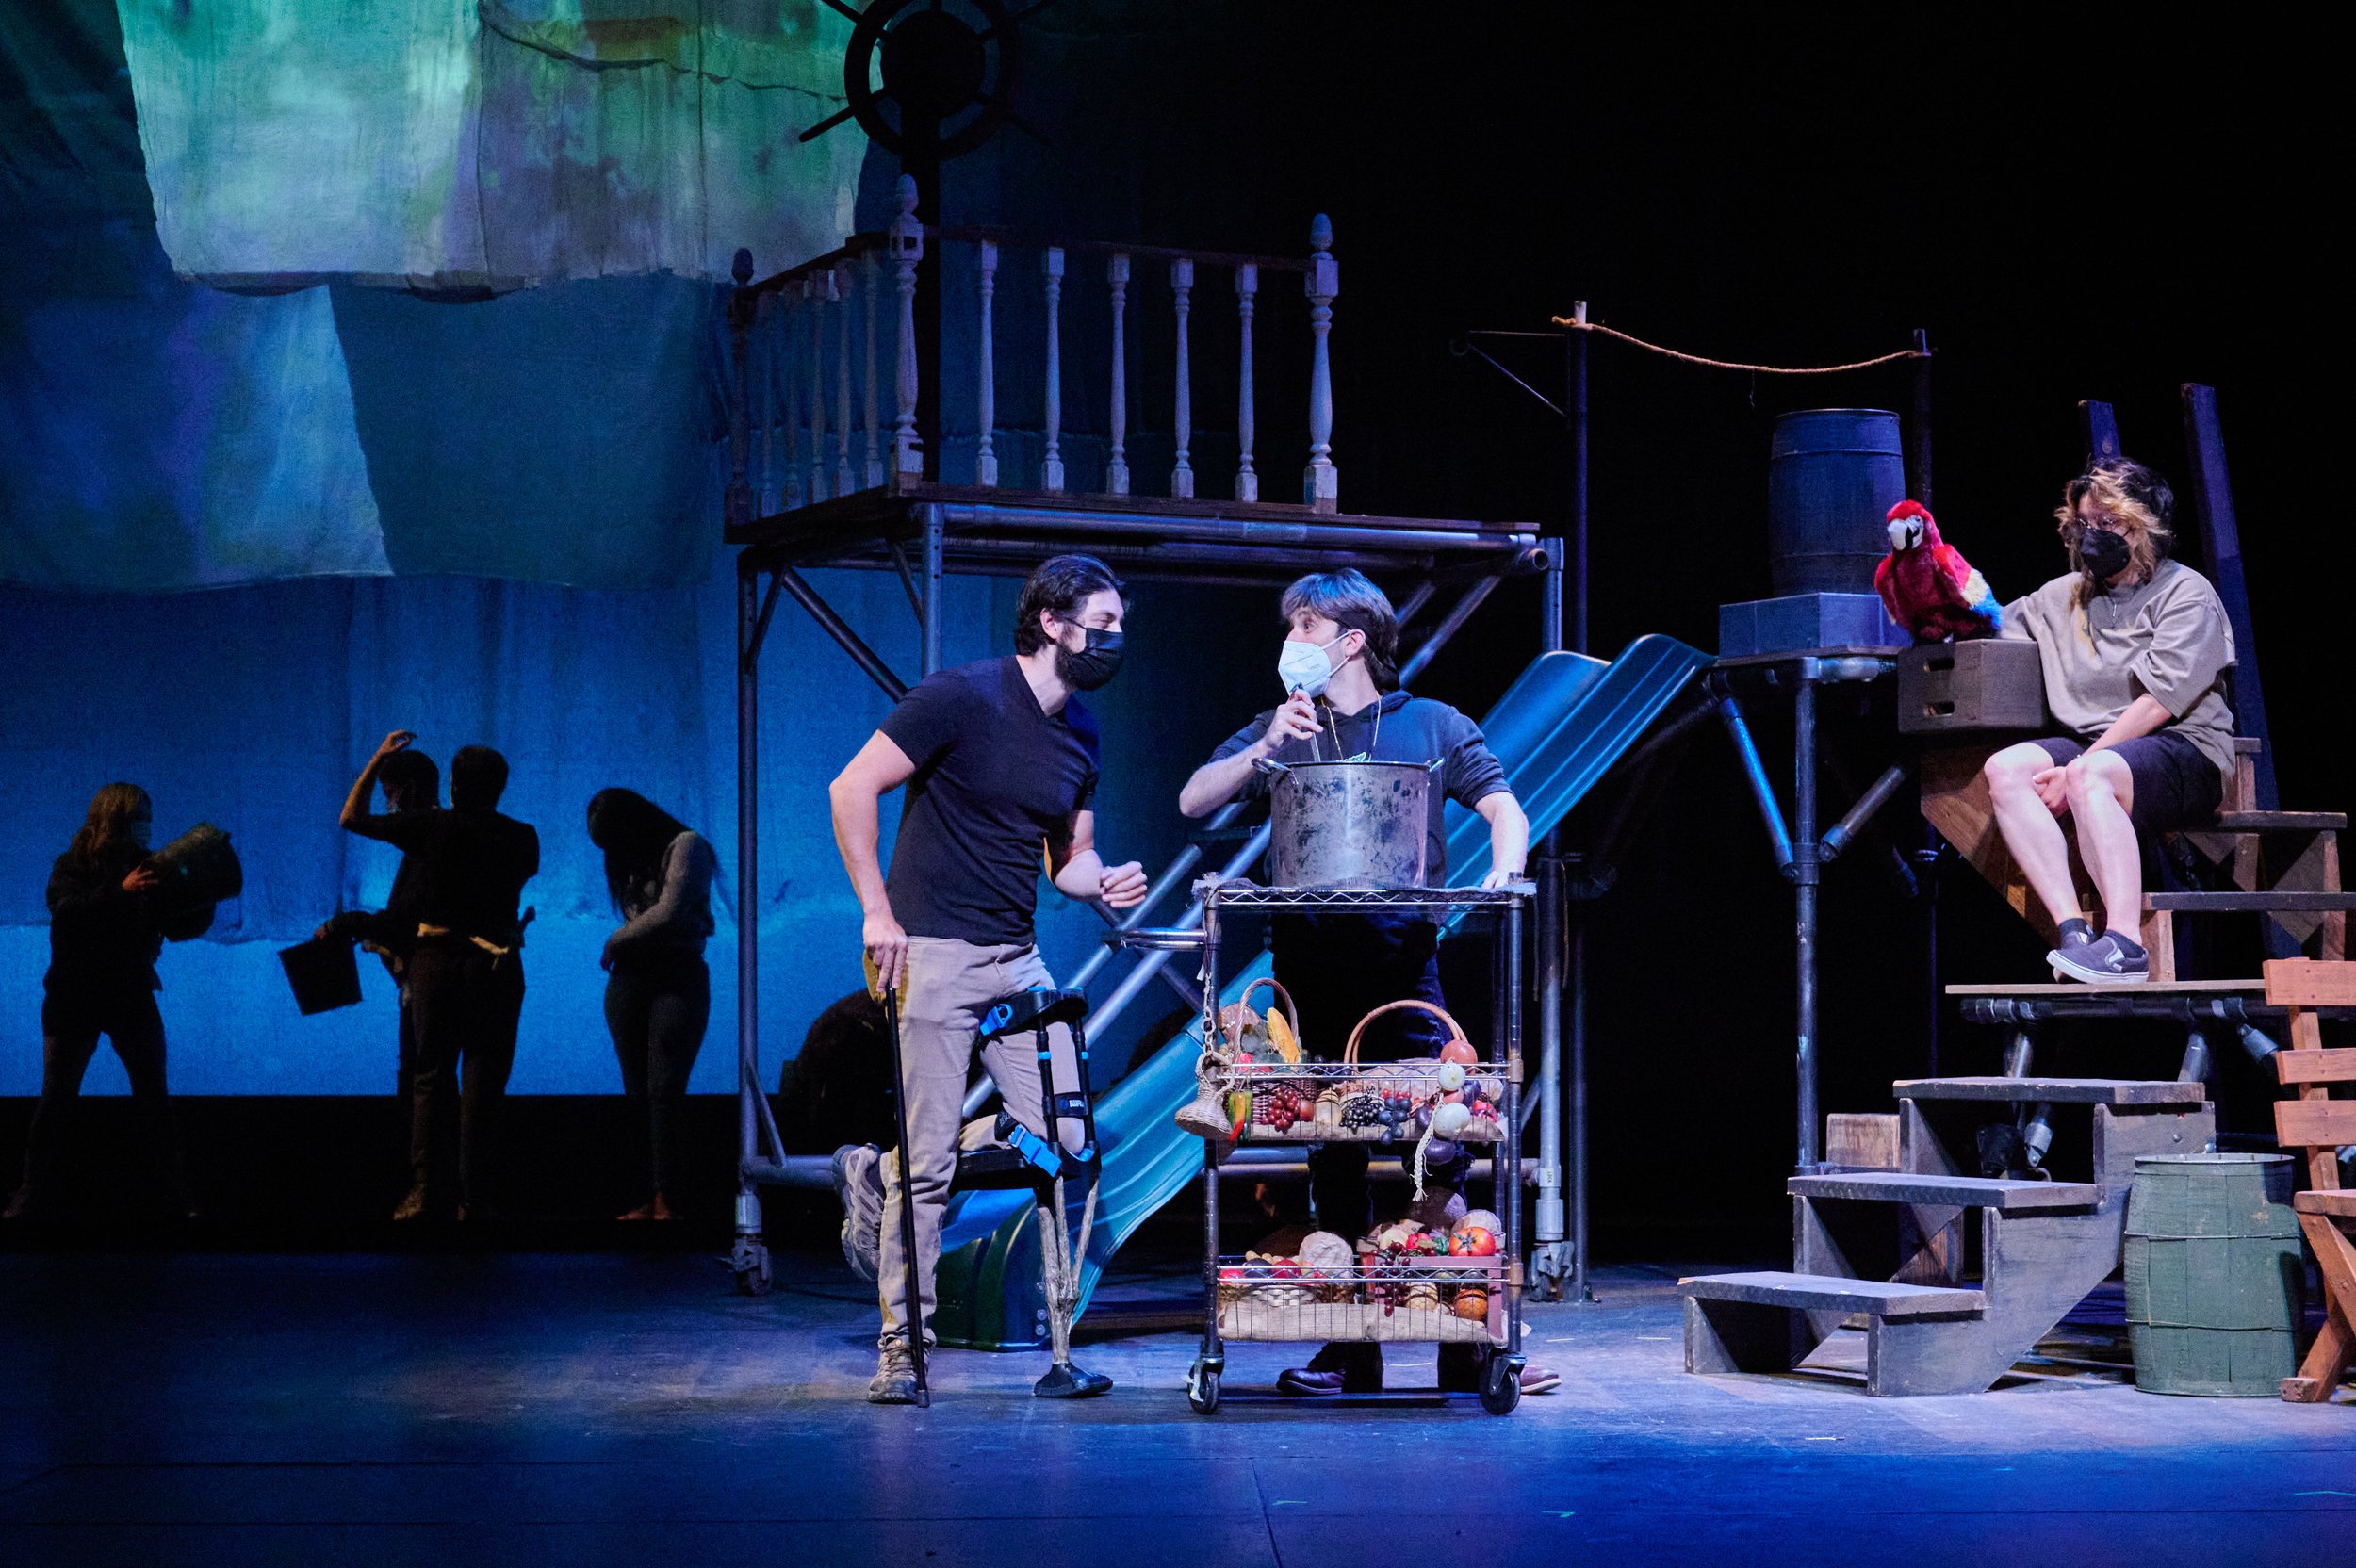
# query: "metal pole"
750,1254
835,627
1804,866
1511,1191
932,541
1576,370
1580,1289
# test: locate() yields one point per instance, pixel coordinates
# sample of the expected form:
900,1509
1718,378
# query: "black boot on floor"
1067,1381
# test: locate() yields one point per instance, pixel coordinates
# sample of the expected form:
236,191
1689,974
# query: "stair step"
2230,904
2275,822
2073,1091
2005,1194
1827,1292
2148,988
2340,1205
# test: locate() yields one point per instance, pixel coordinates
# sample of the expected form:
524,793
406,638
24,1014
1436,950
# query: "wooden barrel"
1832,476
2215,1282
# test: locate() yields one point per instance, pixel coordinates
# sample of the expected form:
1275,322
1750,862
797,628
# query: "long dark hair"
108,829
634,831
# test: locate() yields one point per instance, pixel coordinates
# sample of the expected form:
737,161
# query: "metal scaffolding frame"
924,532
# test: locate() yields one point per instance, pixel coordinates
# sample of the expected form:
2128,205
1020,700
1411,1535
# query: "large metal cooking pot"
1349,825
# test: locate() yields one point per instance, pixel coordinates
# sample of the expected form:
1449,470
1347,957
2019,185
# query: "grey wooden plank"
2149,987
1881,1298
2235,903
2003,1194
2075,1092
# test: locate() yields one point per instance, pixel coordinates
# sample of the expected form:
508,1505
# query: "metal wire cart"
1378,1296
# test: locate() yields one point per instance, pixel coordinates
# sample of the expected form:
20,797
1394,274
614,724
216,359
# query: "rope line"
1729,364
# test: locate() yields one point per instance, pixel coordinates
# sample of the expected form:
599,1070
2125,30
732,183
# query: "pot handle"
1269,766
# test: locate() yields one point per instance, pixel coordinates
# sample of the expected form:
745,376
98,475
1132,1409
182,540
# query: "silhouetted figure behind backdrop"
657,996
107,926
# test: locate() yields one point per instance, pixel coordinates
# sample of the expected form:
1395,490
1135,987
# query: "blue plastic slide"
1557,730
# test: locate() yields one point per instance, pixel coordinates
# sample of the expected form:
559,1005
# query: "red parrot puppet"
1928,587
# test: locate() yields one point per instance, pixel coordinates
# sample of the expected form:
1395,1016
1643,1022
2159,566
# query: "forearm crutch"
914,1324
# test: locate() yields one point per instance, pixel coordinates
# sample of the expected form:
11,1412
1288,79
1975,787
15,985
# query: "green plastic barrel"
2215,1282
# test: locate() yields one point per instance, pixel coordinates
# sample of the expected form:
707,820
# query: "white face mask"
1306,666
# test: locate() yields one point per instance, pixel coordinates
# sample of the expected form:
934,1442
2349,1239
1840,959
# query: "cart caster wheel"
1501,1384
1202,1388
750,1261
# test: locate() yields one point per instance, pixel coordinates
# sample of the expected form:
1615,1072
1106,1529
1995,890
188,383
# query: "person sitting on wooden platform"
2135,647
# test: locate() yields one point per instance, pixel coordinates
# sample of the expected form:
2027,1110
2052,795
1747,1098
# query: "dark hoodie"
102,939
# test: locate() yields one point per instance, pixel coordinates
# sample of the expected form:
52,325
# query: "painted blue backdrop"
244,534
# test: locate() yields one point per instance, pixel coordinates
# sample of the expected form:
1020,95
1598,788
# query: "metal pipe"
966,547
748,903
1237,531
837,627
1511,1191
1804,867
1837,838
1755,775
1411,605
1576,923
1575,351
1471,601
815,1172
933,534
1551,952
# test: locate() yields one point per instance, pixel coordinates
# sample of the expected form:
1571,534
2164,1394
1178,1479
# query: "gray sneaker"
859,1182
894,1382
2109,959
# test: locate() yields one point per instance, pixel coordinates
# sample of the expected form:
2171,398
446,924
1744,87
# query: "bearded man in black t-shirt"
1000,764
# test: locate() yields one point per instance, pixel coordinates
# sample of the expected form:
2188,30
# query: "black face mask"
2103,553
1094,665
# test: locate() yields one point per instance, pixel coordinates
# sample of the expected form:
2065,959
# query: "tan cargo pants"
949,985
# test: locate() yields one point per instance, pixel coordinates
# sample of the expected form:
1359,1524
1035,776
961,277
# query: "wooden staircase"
1957,1301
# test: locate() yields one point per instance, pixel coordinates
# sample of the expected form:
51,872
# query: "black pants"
69,1029
464,1005
657,1006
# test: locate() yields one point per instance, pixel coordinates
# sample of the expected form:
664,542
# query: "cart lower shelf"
1323,1322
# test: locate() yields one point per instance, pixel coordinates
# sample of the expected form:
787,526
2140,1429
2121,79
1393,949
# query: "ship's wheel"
947,70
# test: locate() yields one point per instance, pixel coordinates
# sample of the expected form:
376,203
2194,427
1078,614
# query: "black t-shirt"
1340,967
471,865
996,780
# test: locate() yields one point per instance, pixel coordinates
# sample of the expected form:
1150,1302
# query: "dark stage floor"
448,1410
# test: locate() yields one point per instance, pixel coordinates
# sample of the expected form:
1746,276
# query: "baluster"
1182,289
814,290
1247,301
1051,264
839,290
1322,484
1117,464
986,409
788,403
907,249
869,288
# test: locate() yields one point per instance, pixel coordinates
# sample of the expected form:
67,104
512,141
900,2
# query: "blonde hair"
2132,495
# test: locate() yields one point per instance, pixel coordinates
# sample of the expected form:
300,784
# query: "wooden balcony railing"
806,339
